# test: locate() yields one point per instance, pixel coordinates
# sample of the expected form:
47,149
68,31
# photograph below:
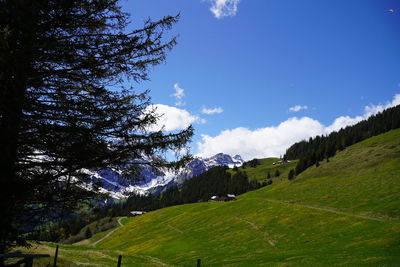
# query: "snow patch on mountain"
149,178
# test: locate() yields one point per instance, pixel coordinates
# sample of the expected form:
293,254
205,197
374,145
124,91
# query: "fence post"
29,262
119,261
198,262
55,257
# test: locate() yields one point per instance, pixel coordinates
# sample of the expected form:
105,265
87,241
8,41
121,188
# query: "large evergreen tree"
64,108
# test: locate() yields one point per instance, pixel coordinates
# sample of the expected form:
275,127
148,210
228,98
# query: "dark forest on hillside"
216,181
323,147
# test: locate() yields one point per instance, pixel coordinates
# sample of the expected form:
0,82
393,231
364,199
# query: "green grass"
260,172
98,236
72,256
94,238
362,179
251,232
343,213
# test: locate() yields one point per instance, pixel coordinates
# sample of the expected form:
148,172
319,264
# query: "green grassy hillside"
260,172
344,212
362,179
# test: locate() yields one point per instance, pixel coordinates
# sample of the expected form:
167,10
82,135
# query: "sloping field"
260,172
254,232
345,212
363,179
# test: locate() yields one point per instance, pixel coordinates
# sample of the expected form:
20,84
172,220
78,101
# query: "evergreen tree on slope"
64,108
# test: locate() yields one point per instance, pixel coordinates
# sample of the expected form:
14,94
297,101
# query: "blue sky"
272,72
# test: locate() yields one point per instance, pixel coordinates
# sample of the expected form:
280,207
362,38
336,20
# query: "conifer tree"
65,106
291,174
88,233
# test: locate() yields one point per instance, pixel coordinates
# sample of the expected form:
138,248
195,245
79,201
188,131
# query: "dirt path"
174,228
110,233
324,209
255,227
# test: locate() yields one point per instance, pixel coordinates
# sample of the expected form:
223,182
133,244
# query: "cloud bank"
273,141
224,8
259,143
210,111
173,118
369,110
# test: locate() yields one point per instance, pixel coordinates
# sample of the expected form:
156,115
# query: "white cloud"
209,111
179,94
370,110
374,109
223,8
259,143
173,118
297,108
342,122
273,141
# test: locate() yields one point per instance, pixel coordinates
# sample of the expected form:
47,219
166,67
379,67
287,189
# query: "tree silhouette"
66,104
88,233
291,174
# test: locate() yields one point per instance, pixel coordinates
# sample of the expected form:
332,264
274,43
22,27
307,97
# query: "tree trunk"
16,55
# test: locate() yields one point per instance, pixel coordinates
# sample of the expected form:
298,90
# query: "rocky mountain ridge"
152,179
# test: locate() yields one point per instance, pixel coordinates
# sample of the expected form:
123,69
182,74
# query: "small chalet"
135,213
228,197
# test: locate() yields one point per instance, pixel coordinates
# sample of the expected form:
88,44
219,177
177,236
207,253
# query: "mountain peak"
238,157
152,177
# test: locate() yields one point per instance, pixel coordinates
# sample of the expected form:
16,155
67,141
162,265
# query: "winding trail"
110,233
324,209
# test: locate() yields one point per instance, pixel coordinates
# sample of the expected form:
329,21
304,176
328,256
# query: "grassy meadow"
260,172
346,212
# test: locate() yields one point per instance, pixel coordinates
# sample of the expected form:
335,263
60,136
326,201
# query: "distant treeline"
216,181
251,163
323,147
81,226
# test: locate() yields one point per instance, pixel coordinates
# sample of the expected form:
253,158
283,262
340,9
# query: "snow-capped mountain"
199,165
152,179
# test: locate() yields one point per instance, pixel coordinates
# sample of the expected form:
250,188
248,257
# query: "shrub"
291,174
